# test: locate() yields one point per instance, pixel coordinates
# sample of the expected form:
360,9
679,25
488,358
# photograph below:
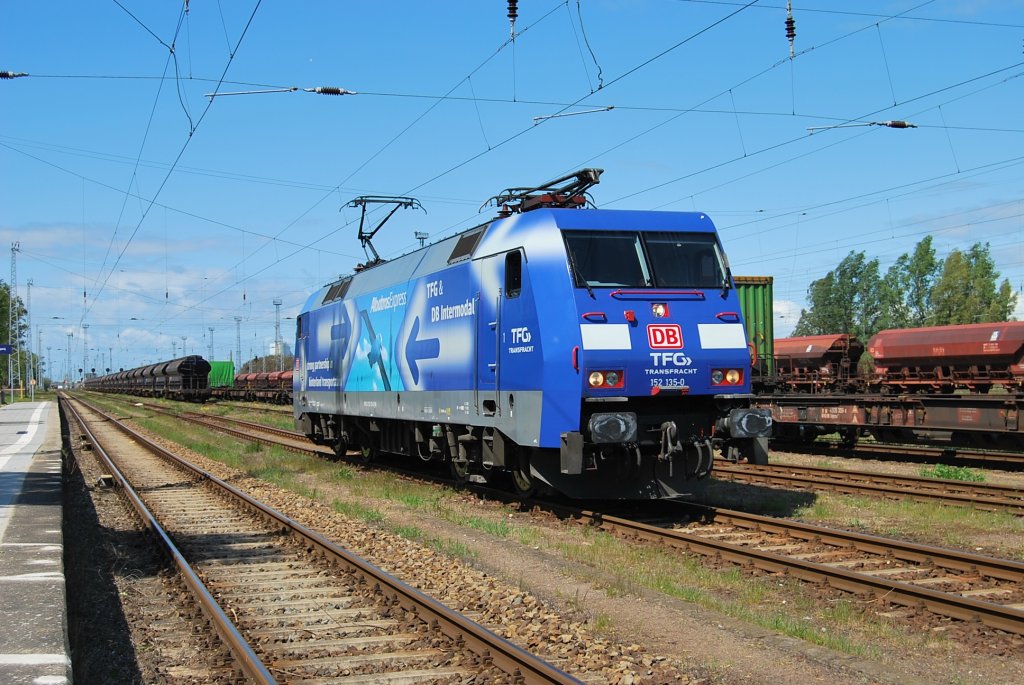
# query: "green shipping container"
756,299
222,375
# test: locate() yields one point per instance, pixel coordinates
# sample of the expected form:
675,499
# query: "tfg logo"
664,336
521,335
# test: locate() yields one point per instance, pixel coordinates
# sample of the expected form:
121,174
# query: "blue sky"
152,212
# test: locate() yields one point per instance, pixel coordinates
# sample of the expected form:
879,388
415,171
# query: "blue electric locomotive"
598,353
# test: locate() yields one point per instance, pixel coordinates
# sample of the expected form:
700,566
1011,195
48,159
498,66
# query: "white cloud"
786,314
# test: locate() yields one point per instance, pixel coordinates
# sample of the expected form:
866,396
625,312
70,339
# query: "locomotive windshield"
645,259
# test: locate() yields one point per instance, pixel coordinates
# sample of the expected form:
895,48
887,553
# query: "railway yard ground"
604,609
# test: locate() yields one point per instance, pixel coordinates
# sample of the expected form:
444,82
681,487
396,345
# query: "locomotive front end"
662,361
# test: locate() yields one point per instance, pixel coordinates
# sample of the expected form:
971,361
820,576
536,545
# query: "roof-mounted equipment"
364,236
571,193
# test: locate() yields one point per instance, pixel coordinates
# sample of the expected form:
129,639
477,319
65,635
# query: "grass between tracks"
619,568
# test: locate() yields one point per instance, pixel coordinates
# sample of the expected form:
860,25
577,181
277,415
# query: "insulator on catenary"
790,28
329,90
896,123
513,14
12,74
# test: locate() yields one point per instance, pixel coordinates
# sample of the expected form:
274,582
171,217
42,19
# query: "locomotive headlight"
659,310
726,377
606,379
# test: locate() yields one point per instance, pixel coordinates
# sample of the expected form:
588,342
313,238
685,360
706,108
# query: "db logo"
662,336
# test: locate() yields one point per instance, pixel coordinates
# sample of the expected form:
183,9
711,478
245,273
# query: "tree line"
267,363
918,290
20,338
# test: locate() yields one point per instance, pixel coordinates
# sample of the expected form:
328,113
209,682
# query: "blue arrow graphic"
417,350
340,331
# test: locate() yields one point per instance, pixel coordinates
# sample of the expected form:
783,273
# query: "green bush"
947,472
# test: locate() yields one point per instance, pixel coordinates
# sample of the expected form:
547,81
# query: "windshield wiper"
576,272
727,282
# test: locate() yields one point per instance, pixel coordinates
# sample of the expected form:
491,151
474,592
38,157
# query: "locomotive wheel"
365,454
367,445
460,471
340,448
523,482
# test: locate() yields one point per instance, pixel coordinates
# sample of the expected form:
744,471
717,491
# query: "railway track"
916,453
953,492
949,583
252,430
977,495
954,584
255,406
290,605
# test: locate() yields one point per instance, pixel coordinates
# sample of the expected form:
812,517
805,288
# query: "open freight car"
958,385
975,357
185,378
818,363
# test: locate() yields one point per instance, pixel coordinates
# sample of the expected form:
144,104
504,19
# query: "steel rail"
272,430
990,497
1003,569
907,594
893,451
947,604
217,423
971,486
253,406
508,657
908,551
247,659
983,497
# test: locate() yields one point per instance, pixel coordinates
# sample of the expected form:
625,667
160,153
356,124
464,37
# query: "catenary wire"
176,160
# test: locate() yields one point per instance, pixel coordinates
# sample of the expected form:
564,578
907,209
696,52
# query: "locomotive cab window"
660,259
607,259
685,260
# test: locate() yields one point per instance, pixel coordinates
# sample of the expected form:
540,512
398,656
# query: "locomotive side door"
299,372
487,309
502,318
516,370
